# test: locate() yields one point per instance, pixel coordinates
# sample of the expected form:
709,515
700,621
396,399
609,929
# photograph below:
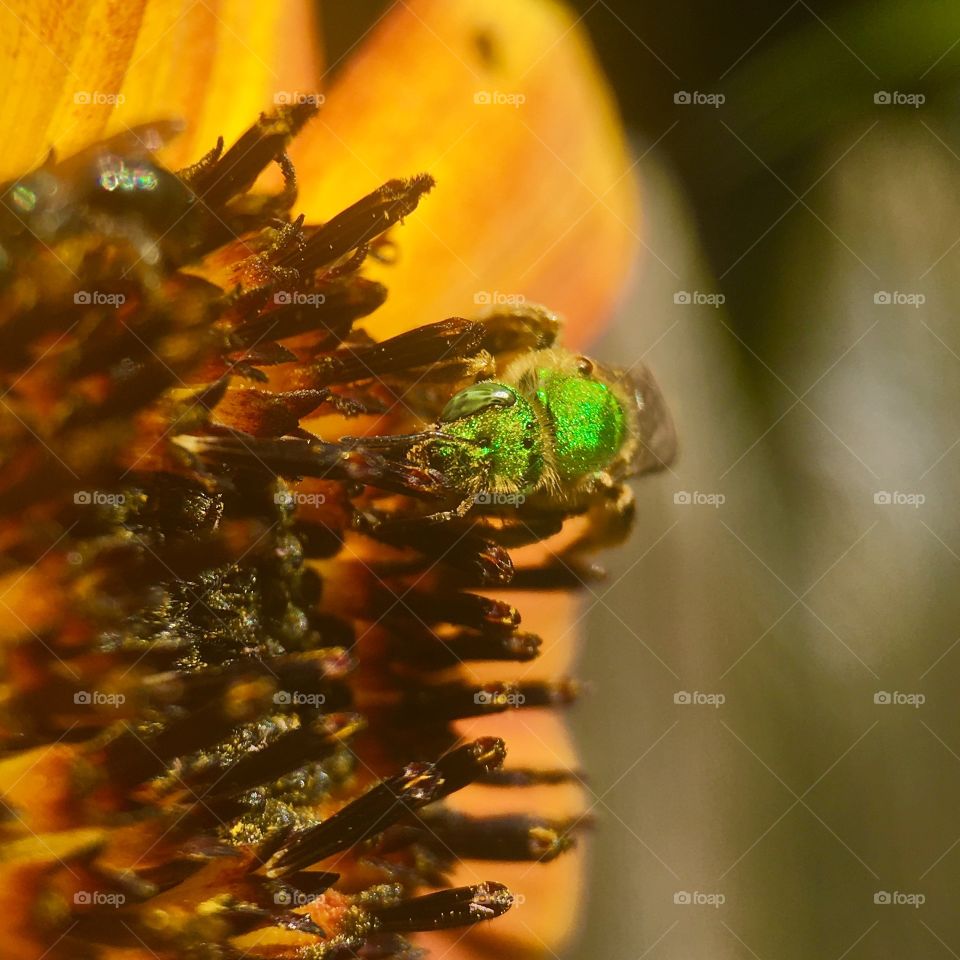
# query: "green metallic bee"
556,433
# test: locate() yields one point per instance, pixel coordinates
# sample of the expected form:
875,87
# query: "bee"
555,433
104,185
117,188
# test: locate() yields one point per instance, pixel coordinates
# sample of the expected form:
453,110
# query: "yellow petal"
75,69
54,54
218,63
504,105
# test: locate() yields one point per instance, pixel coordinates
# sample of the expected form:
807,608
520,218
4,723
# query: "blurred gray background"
814,809
799,304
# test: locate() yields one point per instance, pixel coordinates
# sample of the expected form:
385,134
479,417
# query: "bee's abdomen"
588,424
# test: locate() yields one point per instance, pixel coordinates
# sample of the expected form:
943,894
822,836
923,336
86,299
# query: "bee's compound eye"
584,366
478,397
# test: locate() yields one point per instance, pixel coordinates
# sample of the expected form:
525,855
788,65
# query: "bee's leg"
609,518
530,528
389,526
457,513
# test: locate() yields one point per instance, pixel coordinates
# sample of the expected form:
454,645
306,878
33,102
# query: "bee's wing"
654,445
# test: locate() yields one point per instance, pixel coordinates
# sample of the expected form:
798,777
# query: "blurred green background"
798,302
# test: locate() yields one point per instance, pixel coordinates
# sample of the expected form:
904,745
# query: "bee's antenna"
440,435
397,439
389,440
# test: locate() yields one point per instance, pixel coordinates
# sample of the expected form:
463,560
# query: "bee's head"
491,438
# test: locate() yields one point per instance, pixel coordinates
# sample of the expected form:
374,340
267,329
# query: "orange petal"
548,895
535,195
74,69
535,200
